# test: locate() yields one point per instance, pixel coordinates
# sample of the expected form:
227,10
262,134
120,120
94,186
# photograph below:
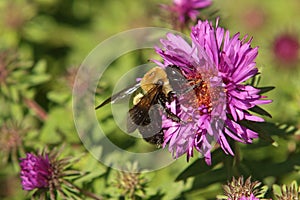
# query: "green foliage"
42,45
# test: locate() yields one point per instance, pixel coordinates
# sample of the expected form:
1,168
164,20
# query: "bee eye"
160,82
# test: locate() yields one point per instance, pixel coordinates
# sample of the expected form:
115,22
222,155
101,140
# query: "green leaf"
40,67
38,79
276,189
14,94
5,90
273,169
268,129
59,126
260,111
213,176
200,166
265,89
17,112
58,97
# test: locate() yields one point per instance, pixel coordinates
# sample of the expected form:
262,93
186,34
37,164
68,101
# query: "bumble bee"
157,87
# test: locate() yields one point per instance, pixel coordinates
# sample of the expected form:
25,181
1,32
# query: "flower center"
202,95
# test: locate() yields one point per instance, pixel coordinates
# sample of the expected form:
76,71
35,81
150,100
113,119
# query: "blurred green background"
42,44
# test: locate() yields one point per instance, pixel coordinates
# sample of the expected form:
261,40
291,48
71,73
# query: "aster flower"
254,18
46,173
216,66
17,75
186,10
286,48
9,62
289,192
11,142
237,189
36,171
131,182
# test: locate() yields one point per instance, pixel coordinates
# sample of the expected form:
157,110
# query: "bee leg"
172,116
171,97
167,110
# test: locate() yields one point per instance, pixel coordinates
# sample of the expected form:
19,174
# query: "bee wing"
139,114
177,80
120,95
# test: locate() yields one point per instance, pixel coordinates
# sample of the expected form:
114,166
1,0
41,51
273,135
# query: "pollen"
201,95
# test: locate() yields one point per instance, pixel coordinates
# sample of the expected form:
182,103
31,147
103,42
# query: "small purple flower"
217,66
186,10
50,176
35,171
286,48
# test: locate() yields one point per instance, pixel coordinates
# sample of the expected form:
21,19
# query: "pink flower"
286,48
35,171
217,66
186,10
